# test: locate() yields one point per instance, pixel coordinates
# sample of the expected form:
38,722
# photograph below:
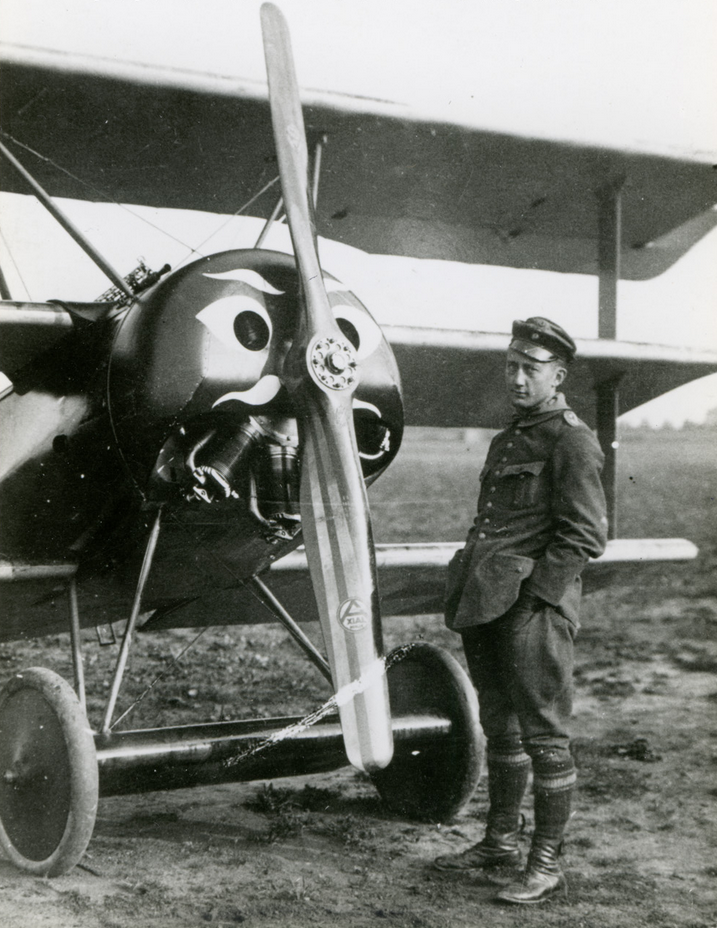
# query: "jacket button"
510,444
492,489
481,534
489,505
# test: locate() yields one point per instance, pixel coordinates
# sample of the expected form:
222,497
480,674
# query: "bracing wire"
203,550
226,222
96,190
148,689
191,250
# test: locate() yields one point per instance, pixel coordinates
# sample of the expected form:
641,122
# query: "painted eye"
349,330
251,330
355,323
359,328
239,322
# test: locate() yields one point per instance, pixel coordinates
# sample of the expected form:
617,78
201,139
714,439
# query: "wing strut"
318,152
67,224
275,214
608,391
275,607
132,623
77,664
277,211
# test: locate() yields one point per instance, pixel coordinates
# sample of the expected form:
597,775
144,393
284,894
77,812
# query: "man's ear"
560,374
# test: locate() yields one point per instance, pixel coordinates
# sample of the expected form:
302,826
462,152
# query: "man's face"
530,383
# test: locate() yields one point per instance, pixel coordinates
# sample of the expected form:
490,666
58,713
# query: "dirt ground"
321,850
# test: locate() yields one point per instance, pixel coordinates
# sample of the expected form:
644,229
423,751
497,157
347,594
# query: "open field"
320,851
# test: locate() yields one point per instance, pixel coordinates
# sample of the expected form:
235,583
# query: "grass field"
667,485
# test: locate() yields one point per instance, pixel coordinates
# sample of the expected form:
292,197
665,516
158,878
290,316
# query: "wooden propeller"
321,374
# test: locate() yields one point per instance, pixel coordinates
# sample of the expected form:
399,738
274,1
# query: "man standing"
514,596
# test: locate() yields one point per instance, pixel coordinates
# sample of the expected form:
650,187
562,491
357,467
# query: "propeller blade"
322,374
290,141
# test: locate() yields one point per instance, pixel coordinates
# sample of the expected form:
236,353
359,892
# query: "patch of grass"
315,799
607,776
582,841
353,832
697,658
290,812
609,782
607,688
77,901
584,749
286,819
617,879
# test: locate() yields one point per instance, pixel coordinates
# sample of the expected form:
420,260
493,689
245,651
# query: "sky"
640,74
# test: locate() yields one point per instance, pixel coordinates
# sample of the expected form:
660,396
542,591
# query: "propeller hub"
337,361
333,363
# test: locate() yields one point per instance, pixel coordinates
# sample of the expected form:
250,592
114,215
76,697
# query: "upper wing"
465,368
392,182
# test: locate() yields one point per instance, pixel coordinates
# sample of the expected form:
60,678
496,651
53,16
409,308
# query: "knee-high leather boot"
542,877
507,781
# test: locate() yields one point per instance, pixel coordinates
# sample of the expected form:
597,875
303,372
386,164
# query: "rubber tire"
48,774
435,783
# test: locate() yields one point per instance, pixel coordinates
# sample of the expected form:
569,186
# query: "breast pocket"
520,484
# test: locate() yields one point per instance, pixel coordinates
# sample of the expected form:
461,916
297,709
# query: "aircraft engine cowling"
196,394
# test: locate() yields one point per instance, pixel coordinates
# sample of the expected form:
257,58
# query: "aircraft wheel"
433,783
48,773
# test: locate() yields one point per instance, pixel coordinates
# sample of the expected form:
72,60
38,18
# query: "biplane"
194,447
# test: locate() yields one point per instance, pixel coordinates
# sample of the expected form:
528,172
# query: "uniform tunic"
541,516
514,592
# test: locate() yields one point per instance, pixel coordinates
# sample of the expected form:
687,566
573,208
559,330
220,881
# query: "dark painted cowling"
196,386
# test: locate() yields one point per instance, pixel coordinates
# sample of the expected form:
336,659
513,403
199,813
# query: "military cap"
542,340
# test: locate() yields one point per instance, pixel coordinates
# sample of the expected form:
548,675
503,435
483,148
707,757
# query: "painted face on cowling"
206,348
255,324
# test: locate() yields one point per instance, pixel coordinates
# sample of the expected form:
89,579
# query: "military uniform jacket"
541,516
